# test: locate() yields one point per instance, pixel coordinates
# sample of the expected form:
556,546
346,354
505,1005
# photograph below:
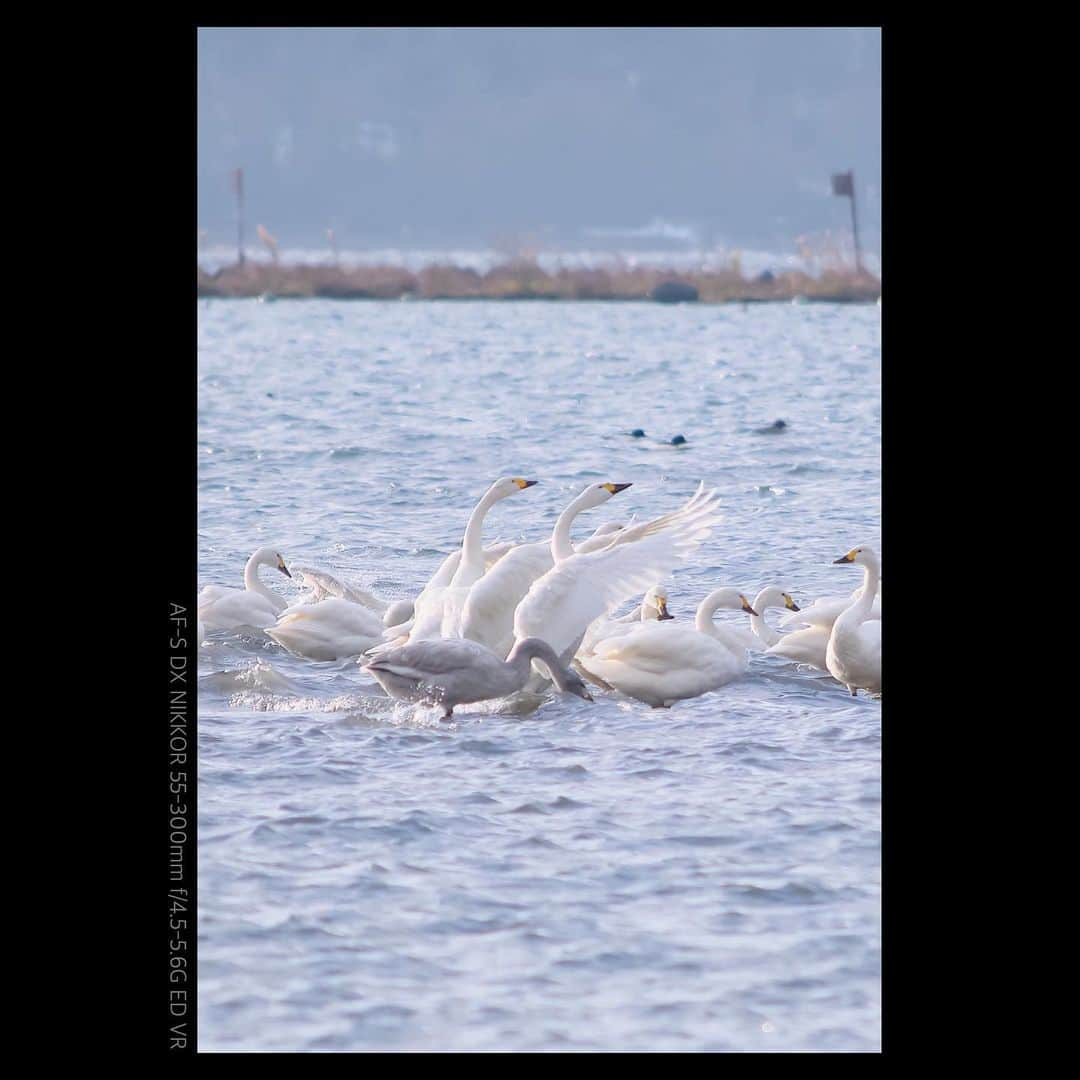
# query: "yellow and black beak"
523,484
746,606
616,488
661,606
849,557
789,603
282,567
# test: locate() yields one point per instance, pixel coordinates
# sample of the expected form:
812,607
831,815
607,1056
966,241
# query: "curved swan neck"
561,545
703,620
764,599
472,547
252,582
860,610
528,649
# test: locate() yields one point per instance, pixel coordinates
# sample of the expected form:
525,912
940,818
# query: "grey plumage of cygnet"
455,671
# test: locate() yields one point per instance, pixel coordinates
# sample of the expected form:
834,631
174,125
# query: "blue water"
584,876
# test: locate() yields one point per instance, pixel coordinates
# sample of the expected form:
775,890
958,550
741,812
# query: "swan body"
806,646
329,630
456,672
661,664
255,605
444,596
853,655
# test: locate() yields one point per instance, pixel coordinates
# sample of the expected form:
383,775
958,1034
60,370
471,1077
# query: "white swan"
561,604
809,644
329,630
853,656
488,612
455,672
469,566
254,605
661,664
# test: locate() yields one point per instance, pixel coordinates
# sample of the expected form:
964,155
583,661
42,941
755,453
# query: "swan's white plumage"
853,655
255,605
803,646
329,630
661,664
488,614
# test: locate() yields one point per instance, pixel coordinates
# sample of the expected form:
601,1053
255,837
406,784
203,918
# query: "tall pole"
844,184
238,187
855,226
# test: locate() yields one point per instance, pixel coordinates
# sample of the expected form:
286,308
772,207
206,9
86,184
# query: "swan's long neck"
704,623
561,545
528,649
860,610
760,627
253,584
472,564
703,620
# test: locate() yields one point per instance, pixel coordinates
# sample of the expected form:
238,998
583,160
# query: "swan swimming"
853,655
661,664
456,671
809,645
329,630
255,605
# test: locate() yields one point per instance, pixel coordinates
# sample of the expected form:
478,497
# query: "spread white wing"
560,605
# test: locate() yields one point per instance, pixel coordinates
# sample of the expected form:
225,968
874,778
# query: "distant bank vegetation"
525,279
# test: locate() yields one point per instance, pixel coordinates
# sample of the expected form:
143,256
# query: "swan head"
267,556
572,683
506,486
654,606
774,597
596,494
860,556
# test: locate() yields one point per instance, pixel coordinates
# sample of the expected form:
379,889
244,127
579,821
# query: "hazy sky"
420,138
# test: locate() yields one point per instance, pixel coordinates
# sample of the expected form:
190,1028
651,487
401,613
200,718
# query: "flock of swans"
496,620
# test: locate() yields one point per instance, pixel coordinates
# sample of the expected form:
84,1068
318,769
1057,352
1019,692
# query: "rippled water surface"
603,876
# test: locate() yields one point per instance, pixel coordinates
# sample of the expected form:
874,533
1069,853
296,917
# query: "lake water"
586,876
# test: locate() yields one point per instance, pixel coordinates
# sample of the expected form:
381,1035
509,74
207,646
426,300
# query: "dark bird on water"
679,440
773,428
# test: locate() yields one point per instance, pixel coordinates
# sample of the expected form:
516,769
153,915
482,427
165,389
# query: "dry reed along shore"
524,279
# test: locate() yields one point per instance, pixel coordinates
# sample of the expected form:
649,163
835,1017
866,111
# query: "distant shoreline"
524,279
